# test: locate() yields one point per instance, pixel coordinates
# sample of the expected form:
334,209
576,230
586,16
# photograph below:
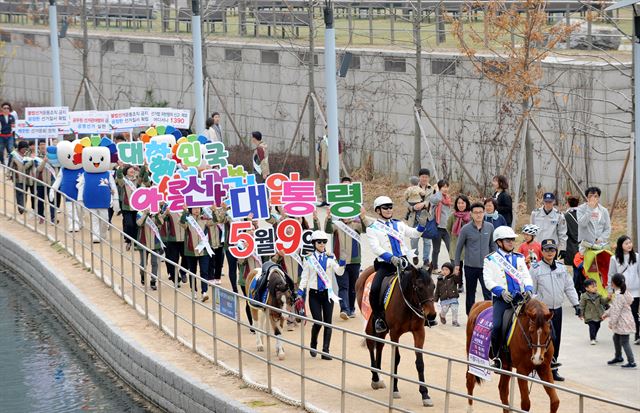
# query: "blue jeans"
426,248
347,288
6,143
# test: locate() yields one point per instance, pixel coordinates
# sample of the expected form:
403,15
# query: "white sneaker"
593,342
205,297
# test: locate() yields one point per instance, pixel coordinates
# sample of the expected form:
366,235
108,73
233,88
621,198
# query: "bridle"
419,310
530,344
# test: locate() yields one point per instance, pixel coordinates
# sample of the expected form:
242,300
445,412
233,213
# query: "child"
447,294
413,194
621,321
592,307
532,250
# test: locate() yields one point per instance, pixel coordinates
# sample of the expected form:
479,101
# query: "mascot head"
66,152
95,154
169,139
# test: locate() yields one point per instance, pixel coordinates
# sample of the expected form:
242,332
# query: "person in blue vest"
66,181
318,277
96,187
507,277
386,238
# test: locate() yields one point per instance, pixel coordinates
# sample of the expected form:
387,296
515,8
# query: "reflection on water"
45,366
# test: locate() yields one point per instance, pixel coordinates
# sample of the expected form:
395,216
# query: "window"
29,39
5,37
304,59
395,64
166,50
233,55
269,57
354,64
107,46
444,67
136,47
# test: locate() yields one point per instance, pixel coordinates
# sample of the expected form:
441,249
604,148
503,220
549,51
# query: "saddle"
508,326
386,288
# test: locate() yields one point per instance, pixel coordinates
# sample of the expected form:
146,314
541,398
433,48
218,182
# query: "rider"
507,277
385,237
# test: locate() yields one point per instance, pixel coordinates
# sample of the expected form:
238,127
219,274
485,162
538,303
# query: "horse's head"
279,288
538,330
423,290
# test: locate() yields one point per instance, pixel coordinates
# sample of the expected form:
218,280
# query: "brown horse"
280,295
410,305
531,349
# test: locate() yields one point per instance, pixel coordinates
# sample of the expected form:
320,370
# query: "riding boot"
380,325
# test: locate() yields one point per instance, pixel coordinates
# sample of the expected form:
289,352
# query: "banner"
36,132
129,118
480,344
89,122
47,116
178,118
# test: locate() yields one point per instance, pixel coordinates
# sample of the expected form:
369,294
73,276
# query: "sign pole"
55,54
198,86
332,92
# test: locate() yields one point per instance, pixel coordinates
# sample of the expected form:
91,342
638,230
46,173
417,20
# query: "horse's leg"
257,318
545,373
377,362
523,385
471,384
277,331
418,342
503,388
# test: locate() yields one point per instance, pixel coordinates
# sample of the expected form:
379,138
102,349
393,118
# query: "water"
46,367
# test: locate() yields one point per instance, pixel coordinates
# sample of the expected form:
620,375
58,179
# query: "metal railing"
217,332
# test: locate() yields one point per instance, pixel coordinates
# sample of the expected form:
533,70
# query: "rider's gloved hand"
301,294
396,261
506,296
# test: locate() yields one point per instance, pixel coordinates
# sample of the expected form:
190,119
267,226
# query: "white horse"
279,295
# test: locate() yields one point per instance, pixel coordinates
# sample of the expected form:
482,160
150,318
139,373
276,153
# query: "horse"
279,295
531,348
411,305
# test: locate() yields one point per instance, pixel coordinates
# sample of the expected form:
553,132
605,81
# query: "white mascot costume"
96,186
66,181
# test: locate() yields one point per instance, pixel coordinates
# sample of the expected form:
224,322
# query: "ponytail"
619,281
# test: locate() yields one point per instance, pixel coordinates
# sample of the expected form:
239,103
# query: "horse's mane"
272,283
540,310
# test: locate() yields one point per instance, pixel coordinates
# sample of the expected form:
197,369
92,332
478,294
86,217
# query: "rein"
530,344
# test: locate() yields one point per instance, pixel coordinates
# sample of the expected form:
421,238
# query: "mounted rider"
507,277
386,238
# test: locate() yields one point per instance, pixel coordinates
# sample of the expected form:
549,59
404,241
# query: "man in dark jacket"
7,125
573,242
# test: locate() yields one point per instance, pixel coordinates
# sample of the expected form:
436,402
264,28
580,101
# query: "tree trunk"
528,148
85,57
311,109
417,35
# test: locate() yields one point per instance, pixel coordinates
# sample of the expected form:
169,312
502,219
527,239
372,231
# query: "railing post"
302,370
193,309
391,375
239,336
175,299
133,275
343,382
147,280
82,226
122,269
267,332
580,404
104,280
214,330
159,286
512,391
448,388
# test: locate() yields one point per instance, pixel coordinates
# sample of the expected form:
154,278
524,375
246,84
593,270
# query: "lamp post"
198,83
332,93
636,102
55,54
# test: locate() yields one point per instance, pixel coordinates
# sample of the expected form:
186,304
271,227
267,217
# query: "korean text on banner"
89,122
37,132
129,118
178,118
47,116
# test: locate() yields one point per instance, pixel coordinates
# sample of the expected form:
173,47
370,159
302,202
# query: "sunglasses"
386,207
549,250
320,241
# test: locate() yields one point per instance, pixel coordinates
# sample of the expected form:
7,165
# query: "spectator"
592,306
594,224
461,216
621,321
172,234
447,294
215,116
530,248
128,179
571,218
418,211
260,157
491,214
214,233
196,247
7,125
625,262
210,132
149,238
21,166
44,172
476,240
551,223
551,283
322,166
504,204
441,209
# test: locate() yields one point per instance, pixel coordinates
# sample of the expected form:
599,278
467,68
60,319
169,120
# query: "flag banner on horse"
480,344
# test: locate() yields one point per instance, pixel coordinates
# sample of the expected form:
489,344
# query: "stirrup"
380,326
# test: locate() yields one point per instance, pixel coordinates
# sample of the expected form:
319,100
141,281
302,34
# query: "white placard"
178,118
129,118
35,132
47,116
89,122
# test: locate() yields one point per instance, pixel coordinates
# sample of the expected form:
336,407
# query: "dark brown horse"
410,305
531,349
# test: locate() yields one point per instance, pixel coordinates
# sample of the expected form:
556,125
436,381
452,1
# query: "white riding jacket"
380,242
495,276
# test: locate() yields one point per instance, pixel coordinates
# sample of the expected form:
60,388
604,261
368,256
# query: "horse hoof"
427,402
470,409
260,348
375,385
396,395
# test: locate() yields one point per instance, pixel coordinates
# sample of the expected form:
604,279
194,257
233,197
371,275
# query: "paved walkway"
584,365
